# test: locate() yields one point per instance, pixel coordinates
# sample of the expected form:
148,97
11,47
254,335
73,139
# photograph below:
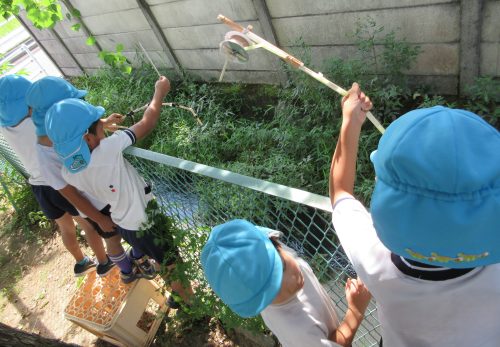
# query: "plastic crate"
122,314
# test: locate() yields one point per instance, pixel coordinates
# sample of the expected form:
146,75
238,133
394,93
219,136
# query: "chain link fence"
9,162
198,197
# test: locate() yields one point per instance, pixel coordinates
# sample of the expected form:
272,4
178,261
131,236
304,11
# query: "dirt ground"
37,282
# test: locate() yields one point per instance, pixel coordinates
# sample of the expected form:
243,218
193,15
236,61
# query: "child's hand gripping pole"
293,61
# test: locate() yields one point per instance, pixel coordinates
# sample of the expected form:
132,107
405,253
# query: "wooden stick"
290,59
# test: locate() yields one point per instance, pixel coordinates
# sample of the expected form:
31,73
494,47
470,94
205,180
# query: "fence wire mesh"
8,163
7,155
197,199
197,202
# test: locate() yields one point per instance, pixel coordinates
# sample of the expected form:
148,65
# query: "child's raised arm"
358,298
343,169
152,113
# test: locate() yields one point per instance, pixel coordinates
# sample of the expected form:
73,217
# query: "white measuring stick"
294,62
150,60
171,104
223,70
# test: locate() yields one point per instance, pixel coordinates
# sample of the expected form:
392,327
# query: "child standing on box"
95,164
17,127
429,252
252,272
41,96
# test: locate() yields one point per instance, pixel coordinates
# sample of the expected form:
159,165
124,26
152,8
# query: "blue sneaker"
131,277
145,266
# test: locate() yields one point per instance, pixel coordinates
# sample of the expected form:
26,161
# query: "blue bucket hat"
46,92
13,107
67,122
437,195
242,266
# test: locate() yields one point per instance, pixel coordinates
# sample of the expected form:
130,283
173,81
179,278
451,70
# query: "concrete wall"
490,39
459,38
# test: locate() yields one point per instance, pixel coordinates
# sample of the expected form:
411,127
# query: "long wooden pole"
290,59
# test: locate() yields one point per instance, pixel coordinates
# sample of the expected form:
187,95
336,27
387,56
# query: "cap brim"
80,93
76,154
99,111
13,113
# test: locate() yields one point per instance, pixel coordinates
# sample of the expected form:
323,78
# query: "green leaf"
90,41
76,27
68,16
110,59
76,13
55,18
119,47
126,69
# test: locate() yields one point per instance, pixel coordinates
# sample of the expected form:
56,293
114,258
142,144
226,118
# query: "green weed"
484,99
19,196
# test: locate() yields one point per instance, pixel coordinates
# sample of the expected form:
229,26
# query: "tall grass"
282,134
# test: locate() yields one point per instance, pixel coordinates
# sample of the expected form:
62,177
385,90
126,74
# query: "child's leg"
117,254
184,292
164,251
57,208
114,245
137,253
68,235
93,239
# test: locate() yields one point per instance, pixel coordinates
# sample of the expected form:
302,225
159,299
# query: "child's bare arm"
152,113
83,205
358,298
343,169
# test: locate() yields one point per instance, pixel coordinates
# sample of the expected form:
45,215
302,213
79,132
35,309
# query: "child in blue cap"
17,127
40,96
252,272
429,252
95,164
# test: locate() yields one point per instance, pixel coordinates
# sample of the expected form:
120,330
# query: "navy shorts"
162,252
52,203
102,233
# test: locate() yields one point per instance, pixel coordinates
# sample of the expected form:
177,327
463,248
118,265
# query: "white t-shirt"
110,177
307,319
22,139
50,169
463,311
